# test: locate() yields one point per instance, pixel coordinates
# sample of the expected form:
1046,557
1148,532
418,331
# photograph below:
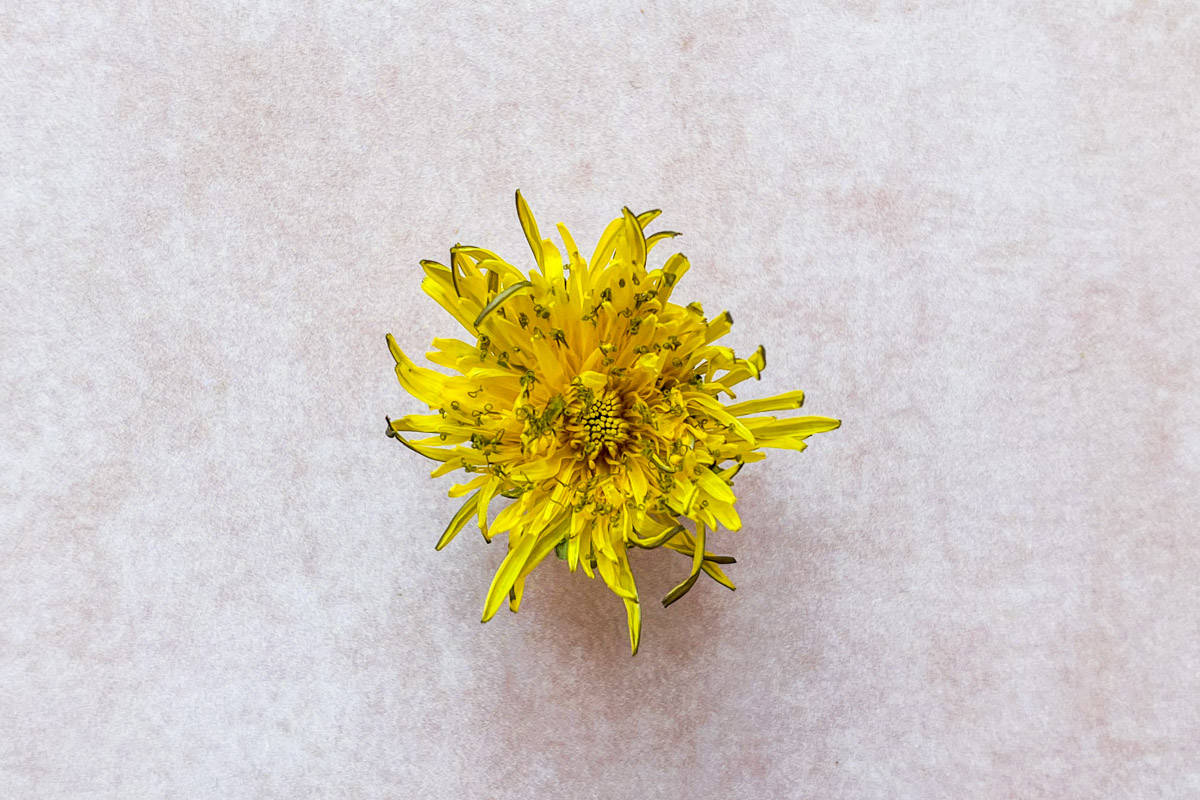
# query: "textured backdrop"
967,229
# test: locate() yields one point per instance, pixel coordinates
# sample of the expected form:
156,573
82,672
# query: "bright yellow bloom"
590,402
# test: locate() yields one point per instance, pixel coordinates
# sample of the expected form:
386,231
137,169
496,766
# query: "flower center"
600,424
602,419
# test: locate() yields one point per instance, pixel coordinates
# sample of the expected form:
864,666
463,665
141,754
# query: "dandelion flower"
592,404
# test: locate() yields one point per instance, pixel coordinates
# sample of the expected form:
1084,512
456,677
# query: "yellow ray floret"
590,402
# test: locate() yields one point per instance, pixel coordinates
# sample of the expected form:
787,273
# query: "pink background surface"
970,230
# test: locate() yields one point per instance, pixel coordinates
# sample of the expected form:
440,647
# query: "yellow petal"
460,489
430,423
718,327
574,537
634,239
461,308
495,302
606,245
727,515
610,572
633,617
423,384
714,409
697,562
553,269
514,595
714,572
715,487
651,241
573,256
769,427
638,482
646,217
461,456
780,402
510,515
657,538
672,271
796,443
751,367
458,521
545,546
539,470
509,569
502,269
593,380
486,493
529,225
435,270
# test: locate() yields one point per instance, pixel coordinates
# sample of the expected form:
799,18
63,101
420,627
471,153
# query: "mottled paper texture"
967,229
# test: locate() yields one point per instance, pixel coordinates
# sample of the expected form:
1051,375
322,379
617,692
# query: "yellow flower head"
592,404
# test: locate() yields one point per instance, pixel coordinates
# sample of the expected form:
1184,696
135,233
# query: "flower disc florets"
591,402
597,424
